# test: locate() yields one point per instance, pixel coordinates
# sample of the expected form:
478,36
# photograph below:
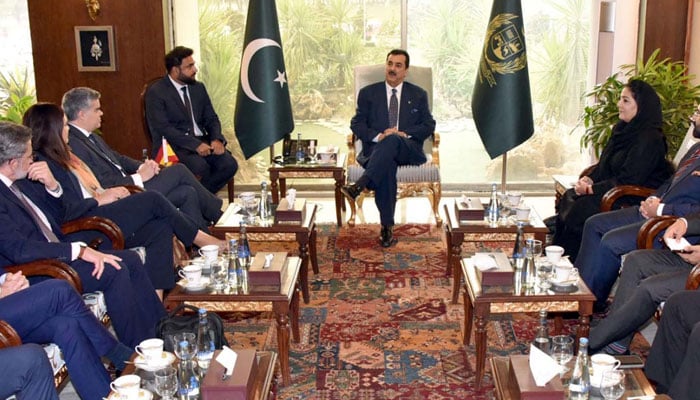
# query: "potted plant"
671,82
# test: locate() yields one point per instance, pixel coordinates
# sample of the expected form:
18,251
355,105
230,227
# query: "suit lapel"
406,104
175,96
24,187
689,169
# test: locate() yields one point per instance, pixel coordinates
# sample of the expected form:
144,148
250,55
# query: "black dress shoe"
387,237
351,191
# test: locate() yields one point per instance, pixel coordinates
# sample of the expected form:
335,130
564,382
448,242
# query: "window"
324,40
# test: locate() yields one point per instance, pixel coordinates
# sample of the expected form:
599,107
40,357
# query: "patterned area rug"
380,324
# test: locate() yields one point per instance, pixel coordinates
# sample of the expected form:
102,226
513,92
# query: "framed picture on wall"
95,48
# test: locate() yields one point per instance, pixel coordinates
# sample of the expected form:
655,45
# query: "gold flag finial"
93,7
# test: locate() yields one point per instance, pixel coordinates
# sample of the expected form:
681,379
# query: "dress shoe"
387,236
351,191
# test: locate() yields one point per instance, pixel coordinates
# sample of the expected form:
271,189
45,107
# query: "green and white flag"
263,109
501,103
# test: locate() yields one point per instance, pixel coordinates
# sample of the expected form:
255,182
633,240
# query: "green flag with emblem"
263,109
501,103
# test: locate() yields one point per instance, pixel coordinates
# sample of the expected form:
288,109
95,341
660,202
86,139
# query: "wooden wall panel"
666,27
139,38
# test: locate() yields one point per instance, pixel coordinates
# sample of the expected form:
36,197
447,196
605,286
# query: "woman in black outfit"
635,155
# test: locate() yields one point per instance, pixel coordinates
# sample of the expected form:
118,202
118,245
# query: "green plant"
18,94
671,82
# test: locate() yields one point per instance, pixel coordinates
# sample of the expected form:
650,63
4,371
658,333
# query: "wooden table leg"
468,318
282,316
454,263
304,270
294,315
312,249
339,203
480,343
274,189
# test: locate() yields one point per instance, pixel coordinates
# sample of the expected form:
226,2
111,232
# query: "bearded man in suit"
178,108
392,120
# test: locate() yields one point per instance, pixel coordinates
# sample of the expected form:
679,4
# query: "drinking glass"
166,382
612,386
544,274
537,248
249,205
188,351
219,273
312,152
562,349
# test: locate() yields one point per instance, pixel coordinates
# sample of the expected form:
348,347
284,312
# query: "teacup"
565,273
192,273
554,253
209,252
150,349
522,213
601,363
127,386
514,198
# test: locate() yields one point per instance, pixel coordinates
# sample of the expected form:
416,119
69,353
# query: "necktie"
686,164
188,106
107,153
46,230
393,110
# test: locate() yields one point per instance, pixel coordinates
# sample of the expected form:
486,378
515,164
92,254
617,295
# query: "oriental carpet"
380,324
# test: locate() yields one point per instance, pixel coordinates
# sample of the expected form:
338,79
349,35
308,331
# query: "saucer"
564,286
166,358
143,395
195,286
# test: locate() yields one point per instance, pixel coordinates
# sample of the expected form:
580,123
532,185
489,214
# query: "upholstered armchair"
411,180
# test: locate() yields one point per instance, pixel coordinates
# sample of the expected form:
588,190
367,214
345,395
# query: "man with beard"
178,108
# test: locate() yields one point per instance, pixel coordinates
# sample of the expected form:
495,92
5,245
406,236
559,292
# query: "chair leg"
435,199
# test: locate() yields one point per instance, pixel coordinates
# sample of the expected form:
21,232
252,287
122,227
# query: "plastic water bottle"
542,341
243,249
580,383
493,210
519,248
233,264
530,268
205,341
187,376
300,150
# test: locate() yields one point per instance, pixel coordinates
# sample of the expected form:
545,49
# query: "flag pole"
503,172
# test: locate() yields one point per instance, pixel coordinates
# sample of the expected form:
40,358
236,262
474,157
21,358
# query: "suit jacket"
167,117
101,163
681,195
372,117
20,239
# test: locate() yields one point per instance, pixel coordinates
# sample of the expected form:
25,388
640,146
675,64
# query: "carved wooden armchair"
411,180
59,270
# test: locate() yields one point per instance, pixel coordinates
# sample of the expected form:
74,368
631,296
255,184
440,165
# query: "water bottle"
265,208
492,212
530,268
580,383
300,150
519,247
243,249
205,341
233,264
542,341
187,376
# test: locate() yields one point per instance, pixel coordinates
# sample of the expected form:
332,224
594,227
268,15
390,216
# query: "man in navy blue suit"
53,312
176,183
28,234
178,108
26,373
392,120
607,236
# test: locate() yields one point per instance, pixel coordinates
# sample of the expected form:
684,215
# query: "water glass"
188,351
545,271
219,273
562,349
612,386
166,382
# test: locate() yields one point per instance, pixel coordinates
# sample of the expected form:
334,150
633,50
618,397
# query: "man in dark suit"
26,373
392,120
28,234
179,109
53,312
176,183
674,358
607,236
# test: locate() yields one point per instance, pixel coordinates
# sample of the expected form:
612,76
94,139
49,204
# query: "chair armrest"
103,225
587,171
350,142
614,194
436,151
49,267
8,336
652,228
693,281
134,189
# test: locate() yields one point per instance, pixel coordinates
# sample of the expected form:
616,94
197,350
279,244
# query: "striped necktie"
45,229
393,110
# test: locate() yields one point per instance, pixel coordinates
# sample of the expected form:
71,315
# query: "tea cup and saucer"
128,387
151,356
192,277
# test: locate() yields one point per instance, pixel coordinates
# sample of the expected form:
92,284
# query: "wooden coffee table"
310,171
262,381
285,305
480,302
303,233
636,384
456,230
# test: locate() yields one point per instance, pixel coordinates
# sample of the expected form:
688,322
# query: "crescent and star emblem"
248,54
